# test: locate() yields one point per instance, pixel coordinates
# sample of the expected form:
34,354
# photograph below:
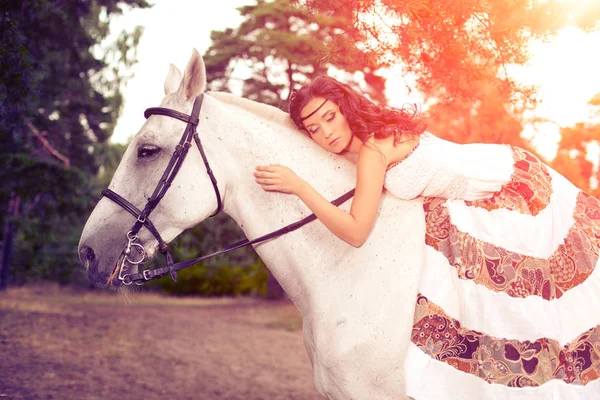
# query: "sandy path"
63,344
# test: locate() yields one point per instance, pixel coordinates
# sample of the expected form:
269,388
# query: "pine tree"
284,46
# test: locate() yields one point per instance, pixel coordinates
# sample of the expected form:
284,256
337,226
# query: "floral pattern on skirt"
502,361
528,190
516,274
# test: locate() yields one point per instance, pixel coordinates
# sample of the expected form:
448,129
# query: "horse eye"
147,151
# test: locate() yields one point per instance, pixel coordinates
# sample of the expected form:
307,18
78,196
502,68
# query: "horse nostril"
89,254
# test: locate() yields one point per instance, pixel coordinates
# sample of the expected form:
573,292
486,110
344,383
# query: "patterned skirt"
509,300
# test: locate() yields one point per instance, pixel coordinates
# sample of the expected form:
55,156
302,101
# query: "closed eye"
330,118
146,151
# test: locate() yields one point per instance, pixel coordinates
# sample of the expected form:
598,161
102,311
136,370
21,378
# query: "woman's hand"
278,178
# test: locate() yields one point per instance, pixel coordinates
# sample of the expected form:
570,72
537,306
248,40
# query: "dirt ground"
58,343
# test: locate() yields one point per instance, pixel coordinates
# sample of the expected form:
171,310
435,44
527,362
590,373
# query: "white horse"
357,304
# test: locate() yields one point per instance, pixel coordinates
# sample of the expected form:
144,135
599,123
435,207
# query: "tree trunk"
7,240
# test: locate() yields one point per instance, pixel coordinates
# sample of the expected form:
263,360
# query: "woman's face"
327,126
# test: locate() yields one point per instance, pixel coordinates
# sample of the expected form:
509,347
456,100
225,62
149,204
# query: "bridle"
128,275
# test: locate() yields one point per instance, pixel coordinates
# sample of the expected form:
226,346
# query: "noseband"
129,257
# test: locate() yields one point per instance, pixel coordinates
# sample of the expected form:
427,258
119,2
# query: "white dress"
509,300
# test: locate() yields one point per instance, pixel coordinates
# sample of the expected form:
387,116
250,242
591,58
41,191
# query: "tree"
485,120
58,106
459,51
572,157
450,45
283,46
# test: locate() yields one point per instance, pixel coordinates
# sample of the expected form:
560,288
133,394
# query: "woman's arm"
353,227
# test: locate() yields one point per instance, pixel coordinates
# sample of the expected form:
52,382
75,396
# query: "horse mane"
263,110
275,115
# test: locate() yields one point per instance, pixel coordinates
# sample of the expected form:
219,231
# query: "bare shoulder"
385,150
371,153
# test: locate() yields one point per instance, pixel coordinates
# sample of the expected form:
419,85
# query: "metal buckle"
144,274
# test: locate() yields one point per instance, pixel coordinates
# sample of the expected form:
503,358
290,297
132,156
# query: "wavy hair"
364,116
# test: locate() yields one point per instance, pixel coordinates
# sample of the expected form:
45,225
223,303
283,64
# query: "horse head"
190,198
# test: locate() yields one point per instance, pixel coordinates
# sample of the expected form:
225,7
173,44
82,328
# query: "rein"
133,260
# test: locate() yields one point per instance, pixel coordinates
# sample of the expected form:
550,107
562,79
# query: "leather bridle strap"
181,151
133,210
169,174
151,274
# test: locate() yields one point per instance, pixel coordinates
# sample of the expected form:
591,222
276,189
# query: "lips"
334,141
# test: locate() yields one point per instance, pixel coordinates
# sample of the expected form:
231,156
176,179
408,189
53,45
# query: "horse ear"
173,80
194,77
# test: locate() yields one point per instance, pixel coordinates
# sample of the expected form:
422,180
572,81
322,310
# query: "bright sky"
565,69
172,28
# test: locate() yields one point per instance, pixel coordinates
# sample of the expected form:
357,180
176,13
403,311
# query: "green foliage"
50,80
572,156
452,45
54,200
485,121
58,106
283,46
458,51
218,281
237,272
45,250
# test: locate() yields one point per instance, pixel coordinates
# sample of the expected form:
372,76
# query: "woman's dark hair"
364,116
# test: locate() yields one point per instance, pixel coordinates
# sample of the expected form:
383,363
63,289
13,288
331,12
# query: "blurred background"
76,76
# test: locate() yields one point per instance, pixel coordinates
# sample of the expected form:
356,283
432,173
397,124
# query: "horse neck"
252,140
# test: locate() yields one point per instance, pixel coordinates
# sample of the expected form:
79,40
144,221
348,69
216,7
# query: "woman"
510,292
